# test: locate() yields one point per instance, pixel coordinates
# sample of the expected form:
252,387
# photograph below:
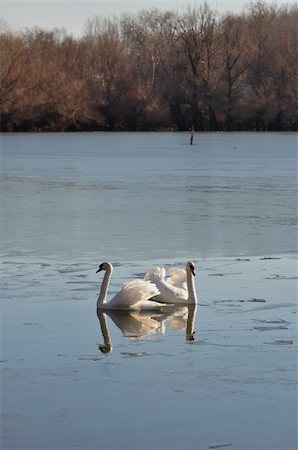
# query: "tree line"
155,71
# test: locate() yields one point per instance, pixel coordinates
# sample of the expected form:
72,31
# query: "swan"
134,295
179,288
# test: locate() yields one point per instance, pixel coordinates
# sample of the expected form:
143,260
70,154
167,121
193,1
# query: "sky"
73,14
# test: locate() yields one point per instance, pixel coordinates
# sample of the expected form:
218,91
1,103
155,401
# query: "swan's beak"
192,269
98,270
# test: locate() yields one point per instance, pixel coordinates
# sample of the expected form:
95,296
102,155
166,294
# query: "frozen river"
72,379
127,196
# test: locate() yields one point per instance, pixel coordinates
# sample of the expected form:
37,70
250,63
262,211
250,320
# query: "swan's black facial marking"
192,269
99,268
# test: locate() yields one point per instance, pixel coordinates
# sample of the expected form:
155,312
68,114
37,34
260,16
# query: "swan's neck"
192,295
102,298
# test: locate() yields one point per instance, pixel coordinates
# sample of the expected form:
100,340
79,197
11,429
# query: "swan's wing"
177,277
132,293
169,293
155,274
150,305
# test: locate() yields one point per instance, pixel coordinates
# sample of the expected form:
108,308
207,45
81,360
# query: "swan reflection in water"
139,324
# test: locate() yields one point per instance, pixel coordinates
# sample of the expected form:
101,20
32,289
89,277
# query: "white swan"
179,288
134,295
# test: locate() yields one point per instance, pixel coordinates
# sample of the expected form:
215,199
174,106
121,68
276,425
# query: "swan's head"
191,268
104,266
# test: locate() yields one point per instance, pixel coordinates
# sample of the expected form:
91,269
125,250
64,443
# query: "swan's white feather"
178,288
169,293
155,274
177,277
133,293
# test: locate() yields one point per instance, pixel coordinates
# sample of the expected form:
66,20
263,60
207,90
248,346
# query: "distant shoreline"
144,131
155,71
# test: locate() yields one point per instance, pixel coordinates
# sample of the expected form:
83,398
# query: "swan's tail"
155,274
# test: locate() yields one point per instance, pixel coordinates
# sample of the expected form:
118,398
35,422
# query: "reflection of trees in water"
139,324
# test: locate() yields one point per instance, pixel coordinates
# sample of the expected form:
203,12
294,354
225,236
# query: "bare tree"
109,69
196,30
235,62
155,70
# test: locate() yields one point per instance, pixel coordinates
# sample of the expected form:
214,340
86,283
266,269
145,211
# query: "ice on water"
222,375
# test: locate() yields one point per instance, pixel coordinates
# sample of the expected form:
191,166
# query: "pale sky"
73,14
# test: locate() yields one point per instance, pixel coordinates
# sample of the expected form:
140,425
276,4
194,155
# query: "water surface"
222,376
139,195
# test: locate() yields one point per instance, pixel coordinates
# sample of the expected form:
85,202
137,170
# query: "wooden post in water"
192,135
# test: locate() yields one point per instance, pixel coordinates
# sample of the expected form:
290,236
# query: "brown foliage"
156,70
